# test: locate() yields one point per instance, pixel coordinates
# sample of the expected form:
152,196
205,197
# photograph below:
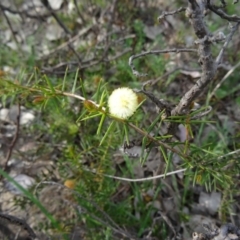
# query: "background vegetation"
57,63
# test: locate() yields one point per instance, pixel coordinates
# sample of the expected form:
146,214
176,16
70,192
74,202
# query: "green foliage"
228,88
92,135
74,115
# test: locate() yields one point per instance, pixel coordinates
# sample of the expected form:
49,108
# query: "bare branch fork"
208,65
195,12
221,13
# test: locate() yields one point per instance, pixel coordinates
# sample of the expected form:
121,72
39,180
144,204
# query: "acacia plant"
92,124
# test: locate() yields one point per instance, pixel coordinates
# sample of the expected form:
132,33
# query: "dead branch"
20,222
24,13
221,13
164,14
208,65
65,29
228,39
155,52
70,41
79,12
12,144
10,26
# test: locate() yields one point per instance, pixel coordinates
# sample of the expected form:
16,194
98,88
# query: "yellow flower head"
123,102
70,183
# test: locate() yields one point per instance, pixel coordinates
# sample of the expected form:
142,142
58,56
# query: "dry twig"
14,140
224,78
19,222
205,58
228,39
24,13
155,52
221,13
164,14
65,29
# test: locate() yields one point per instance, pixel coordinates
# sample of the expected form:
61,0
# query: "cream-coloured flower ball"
123,102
